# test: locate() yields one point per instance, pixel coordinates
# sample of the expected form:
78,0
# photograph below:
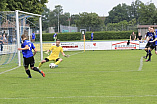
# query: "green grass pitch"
93,77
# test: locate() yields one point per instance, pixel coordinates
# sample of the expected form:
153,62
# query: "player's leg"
149,53
1,47
43,61
32,62
156,49
146,49
58,60
54,39
26,64
33,40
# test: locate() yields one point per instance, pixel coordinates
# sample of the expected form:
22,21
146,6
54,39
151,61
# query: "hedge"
104,35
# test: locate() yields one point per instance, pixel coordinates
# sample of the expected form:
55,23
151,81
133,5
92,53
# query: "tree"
74,19
33,6
133,10
146,13
3,5
117,14
53,18
91,20
45,18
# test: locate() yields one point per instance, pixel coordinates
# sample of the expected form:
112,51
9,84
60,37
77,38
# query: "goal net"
13,24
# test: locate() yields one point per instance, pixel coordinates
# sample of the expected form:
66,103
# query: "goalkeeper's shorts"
52,59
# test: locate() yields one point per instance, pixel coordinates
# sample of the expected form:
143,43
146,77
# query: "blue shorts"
33,37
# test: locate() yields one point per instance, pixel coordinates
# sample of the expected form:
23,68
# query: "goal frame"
18,33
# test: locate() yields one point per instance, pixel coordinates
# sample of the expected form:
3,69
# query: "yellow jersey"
55,51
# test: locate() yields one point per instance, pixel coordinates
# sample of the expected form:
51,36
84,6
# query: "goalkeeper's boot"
56,66
42,73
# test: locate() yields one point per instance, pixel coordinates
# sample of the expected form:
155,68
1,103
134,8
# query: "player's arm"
33,47
154,40
47,52
35,51
64,54
25,48
135,37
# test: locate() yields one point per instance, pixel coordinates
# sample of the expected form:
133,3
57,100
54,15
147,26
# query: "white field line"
71,54
76,53
123,96
96,71
141,64
9,70
86,72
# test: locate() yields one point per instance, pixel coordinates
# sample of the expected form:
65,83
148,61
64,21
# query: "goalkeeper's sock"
36,69
28,73
40,65
57,62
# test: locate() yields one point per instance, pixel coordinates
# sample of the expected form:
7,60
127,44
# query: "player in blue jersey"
147,37
33,37
151,46
55,37
28,56
92,36
155,40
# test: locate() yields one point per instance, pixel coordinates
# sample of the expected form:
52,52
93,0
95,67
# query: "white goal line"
124,96
9,70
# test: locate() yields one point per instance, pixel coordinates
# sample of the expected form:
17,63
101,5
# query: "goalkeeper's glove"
67,56
47,53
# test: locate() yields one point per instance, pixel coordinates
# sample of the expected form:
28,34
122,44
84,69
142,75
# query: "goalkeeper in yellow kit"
54,56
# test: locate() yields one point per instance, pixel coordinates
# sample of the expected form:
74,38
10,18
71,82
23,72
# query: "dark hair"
23,36
152,27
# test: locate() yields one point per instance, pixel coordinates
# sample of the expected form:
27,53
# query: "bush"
103,35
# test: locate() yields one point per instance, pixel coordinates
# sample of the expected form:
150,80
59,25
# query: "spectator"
1,42
139,38
33,37
5,41
92,36
133,37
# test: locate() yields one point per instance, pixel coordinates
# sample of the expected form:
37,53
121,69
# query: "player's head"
57,42
148,28
23,37
151,29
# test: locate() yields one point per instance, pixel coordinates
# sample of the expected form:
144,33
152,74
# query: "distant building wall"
64,29
144,28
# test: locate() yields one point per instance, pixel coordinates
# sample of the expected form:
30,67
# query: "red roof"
145,26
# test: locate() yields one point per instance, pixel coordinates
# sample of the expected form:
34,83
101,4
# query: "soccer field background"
91,77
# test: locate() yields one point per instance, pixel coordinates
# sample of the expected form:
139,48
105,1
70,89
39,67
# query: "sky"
101,7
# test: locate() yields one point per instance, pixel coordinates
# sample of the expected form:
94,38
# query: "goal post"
18,33
13,24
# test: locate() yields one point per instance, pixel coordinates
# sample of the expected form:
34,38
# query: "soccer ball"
52,65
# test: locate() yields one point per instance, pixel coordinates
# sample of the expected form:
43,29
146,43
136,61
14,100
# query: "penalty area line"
125,96
141,64
9,70
72,54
